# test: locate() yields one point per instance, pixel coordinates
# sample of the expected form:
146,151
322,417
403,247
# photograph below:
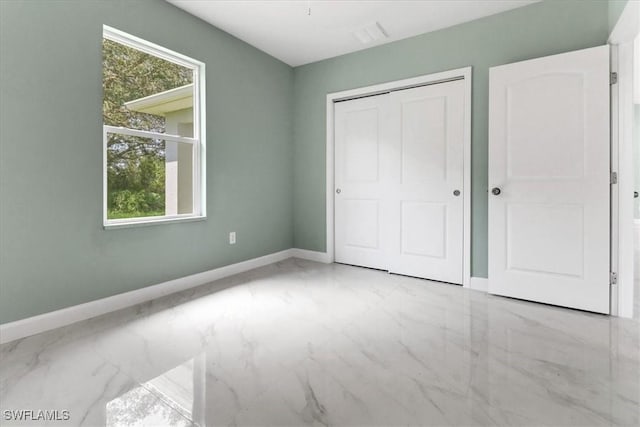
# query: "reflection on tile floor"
302,343
142,407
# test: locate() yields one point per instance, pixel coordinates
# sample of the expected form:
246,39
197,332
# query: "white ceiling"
286,30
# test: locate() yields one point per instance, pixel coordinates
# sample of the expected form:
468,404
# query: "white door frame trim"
460,73
622,223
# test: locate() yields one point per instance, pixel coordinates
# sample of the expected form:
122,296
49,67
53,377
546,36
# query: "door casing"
621,40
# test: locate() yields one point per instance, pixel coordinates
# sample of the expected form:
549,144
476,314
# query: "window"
153,132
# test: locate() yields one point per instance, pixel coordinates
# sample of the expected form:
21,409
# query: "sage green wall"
537,30
263,184
615,10
53,250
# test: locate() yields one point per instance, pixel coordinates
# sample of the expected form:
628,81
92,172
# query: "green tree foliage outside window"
135,165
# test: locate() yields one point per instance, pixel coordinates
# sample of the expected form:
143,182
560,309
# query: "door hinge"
613,79
614,177
613,279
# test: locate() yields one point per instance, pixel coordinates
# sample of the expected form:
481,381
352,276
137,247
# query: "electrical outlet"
232,238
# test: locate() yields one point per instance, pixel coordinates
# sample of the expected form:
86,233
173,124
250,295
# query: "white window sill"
144,222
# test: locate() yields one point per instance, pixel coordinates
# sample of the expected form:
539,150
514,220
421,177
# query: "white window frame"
198,139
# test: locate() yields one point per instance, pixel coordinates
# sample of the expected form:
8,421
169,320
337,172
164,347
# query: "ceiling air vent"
370,33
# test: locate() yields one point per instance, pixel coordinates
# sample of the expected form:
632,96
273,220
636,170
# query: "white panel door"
549,180
399,181
361,176
426,216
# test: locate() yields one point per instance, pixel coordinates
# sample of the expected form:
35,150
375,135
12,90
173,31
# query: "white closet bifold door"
426,215
399,181
361,176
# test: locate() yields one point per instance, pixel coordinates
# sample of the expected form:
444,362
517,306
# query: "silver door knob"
456,193
338,191
495,191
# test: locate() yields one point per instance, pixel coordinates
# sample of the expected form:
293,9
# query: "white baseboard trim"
55,319
479,284
311,255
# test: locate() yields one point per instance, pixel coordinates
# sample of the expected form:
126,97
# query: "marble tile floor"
301,343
